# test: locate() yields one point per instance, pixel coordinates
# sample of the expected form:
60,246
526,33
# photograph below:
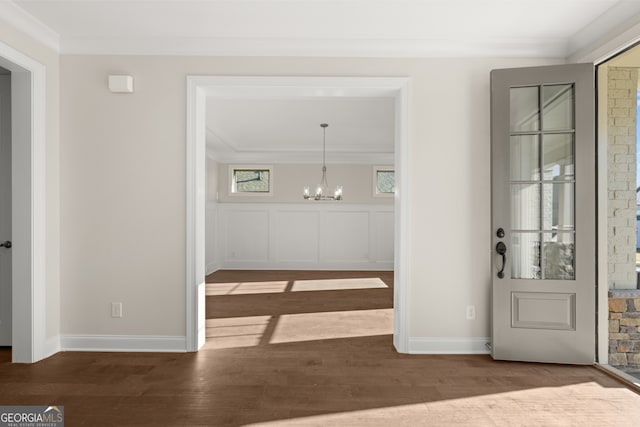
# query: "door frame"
29,287
599,53
199,87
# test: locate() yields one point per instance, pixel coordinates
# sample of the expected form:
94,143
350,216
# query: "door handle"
6,244
501,249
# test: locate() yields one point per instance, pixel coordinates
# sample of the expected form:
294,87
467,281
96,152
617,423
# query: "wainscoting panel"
382,230
212,247
347,237
247,235
297,236
309,235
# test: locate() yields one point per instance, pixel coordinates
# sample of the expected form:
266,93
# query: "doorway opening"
28,199
280,258
198,88
619,255
6,312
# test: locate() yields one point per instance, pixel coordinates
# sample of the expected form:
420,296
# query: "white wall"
50,59
313,236
123,180
284,231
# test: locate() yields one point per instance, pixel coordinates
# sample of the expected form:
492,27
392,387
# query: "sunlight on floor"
236,331
245,288
323,321
338,284
329,325
256,330
545,406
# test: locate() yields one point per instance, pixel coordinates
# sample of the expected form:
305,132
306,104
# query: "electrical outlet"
471,312
116,309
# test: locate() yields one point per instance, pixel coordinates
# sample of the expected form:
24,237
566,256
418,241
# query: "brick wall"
621,135
624,328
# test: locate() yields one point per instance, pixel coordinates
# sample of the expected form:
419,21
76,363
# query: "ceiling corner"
17,17
613,22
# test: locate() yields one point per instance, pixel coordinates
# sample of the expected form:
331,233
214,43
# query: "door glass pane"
557,155
525,206
557,104
525,158
542,182
525,110
525,255
558,206
559,256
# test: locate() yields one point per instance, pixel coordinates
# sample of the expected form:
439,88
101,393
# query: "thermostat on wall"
121,84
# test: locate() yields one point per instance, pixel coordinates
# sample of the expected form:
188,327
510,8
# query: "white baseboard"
52,346
124,343
212,268
419,345
284,265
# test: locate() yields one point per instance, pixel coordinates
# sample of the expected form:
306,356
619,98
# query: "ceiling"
287,129
380,28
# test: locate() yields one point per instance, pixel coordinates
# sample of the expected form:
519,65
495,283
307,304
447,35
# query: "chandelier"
322,190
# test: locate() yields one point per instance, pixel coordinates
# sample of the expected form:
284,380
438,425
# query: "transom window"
384,182
251,180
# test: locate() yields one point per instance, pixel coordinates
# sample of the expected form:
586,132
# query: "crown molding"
370,48
611,31
297,157
15,16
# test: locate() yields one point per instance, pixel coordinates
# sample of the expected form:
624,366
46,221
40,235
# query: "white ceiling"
322,27
276,130
287,129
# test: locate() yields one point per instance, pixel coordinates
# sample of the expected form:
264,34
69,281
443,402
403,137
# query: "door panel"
543,197
5,210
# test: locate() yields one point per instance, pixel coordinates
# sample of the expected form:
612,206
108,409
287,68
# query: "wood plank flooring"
311,349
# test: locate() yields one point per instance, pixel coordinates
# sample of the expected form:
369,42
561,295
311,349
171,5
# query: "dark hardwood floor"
311,348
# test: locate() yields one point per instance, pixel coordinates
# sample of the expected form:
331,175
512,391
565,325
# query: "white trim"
462,47
402,206
602,295
420,345
599,52
197,86
52,346
301,157
29,204
196,215
618,20
301,265
28,24
617,372
124,343
212,268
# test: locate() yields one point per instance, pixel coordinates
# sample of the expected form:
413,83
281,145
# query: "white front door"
543,214
5,210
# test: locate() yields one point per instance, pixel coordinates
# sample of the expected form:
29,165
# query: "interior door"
543,214
5,210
